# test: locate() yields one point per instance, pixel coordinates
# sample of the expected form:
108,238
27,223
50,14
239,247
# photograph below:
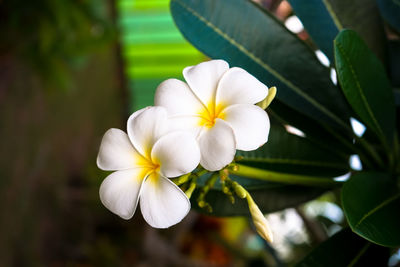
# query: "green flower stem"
286,178
181,179
191,188
186,177
208,185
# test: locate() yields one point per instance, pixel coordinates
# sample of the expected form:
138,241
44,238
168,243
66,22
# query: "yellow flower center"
209,114
150,167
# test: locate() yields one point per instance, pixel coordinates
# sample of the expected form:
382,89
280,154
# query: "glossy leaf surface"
371,202
365,84
323,19
263,46
288,153
269,197
356,252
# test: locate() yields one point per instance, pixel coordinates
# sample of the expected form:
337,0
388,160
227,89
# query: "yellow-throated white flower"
142,161
217,104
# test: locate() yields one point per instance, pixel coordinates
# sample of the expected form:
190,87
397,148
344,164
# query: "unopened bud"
239,190
259,220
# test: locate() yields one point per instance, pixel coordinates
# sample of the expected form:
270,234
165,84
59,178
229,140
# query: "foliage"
353,38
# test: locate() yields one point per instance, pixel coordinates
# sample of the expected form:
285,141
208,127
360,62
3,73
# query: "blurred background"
70,70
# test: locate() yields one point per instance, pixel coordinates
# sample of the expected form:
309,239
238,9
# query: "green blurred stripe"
138,54
143,92
159,71
148,29
159,38
145,61
145,18
153,48
181,45
143,4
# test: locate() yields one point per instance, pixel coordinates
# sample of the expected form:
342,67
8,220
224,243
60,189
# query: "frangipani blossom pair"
204,122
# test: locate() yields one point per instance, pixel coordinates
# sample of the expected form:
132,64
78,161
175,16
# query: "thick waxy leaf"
260,44
390,10
365,84
371,203
315,132
288,153
394,62
269,197
396,93
355,252
323,19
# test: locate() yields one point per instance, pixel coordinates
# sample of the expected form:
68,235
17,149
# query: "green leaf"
288,153
263,46
323,19
390,10
394,60
371,203
396,93
365,84
270,197
354,251
315,132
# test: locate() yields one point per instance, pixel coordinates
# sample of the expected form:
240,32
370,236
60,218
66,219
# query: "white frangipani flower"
217,104
143,159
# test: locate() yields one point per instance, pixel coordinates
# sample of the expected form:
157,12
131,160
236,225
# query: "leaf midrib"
294,162
359,88
380,206
331,12
264,65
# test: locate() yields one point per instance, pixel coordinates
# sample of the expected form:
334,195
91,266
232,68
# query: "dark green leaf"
365,84
354,251
288,153
269,197
394,60
396,93
390,10
263,46
315,132
371,203
324,19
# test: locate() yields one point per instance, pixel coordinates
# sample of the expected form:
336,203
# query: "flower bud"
260,222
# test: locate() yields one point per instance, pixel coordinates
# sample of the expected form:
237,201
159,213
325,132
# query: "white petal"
177,98
119,192
203,78
145,127
177,153
237,86
116,152
217,146
162,203
250,125
186,123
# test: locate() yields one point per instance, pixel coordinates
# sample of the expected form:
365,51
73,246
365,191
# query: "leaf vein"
358,85
359,255
333,15
294,162
264,65
380,206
